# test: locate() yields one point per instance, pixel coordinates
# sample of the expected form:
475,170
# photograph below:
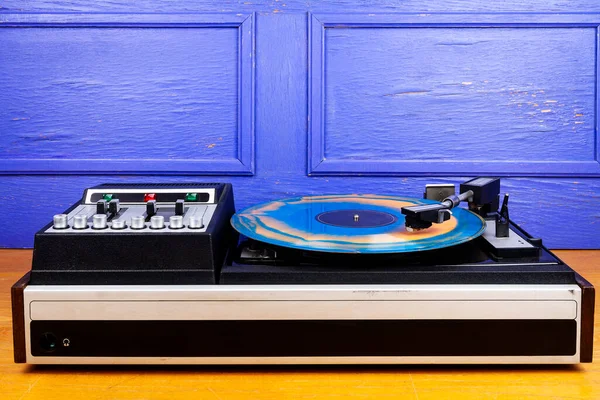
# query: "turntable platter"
351,224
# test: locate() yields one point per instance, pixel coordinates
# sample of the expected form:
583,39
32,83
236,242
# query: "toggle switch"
179,207
80,221
151,208
99,221
157,222
118,224
60,221
101,207
138,222
175,222
196,222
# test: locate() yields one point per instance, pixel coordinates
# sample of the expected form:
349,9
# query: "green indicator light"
107,197
191,197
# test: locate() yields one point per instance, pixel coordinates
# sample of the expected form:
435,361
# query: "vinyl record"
351,224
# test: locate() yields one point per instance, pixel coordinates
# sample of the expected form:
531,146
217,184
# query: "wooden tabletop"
19,381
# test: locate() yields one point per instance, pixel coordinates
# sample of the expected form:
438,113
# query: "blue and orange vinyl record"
352,224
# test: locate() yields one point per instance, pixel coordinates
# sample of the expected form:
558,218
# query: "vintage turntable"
317,279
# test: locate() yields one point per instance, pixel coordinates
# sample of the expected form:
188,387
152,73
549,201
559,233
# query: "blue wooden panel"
138,93
439,94
561,210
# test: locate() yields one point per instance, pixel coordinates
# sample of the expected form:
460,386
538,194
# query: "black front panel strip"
304,338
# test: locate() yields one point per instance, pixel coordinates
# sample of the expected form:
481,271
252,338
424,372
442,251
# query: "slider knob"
101,207
99,221
151,208
196,222
180,207
60,221
157,222
175,222
114,206
80,222
138,222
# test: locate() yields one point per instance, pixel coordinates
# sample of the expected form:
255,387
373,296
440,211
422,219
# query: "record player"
170,274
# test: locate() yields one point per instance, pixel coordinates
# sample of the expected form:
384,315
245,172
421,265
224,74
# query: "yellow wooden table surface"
19,381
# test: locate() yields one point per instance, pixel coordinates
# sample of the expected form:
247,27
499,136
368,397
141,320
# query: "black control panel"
138,234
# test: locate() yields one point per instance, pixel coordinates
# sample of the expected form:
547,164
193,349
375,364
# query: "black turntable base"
473,262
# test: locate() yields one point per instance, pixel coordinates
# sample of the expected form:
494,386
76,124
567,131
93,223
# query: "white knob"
138,222
157,222
175,222
60,221
99,221
118,224
80,221
196,222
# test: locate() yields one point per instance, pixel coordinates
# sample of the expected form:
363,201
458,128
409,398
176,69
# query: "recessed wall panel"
138,98
395,96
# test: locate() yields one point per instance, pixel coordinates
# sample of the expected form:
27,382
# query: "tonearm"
481,193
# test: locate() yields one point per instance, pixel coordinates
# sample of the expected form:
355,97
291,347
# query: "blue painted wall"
284,98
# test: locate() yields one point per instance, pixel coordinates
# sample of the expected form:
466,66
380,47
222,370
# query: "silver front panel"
302,302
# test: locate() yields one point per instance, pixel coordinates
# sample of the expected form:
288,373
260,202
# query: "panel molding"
319,165
244,161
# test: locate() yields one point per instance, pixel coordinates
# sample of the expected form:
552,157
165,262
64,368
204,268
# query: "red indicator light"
149,196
